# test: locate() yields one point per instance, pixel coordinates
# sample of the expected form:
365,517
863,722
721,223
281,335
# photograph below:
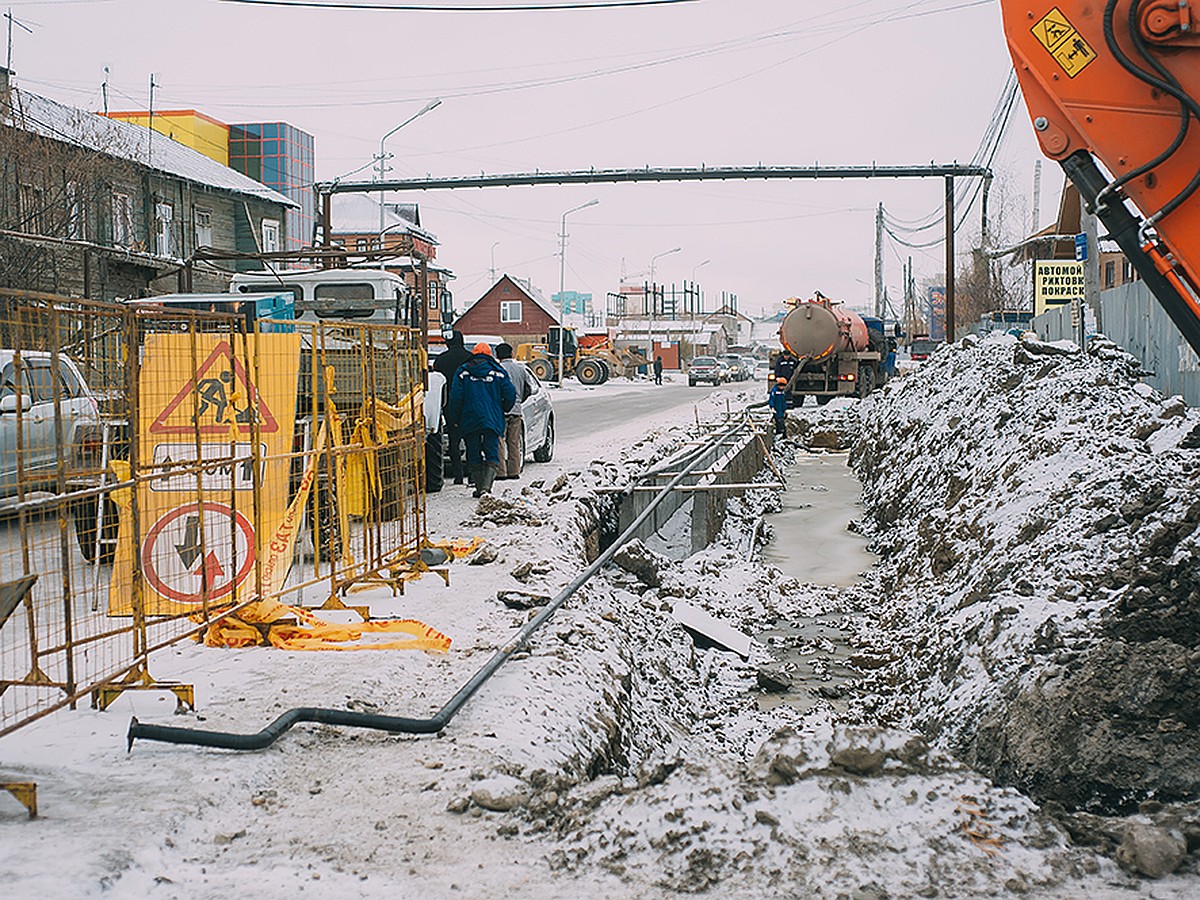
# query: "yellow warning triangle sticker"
1053,29
218,398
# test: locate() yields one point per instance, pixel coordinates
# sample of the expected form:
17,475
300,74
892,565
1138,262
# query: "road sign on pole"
1081,248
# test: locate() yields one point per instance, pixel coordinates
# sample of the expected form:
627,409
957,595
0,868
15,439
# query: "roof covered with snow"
124,140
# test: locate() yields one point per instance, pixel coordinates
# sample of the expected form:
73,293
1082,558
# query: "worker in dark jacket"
658,367
480,394
447,364
778,401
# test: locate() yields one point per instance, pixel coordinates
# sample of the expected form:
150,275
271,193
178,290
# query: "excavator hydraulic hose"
400,724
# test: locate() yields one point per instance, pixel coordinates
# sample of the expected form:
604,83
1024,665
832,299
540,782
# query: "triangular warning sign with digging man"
219,398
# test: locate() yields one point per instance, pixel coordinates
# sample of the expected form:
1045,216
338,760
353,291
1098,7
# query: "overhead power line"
432,7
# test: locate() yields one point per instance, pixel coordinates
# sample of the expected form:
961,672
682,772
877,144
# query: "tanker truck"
828,351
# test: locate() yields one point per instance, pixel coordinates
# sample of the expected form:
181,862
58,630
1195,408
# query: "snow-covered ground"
614,757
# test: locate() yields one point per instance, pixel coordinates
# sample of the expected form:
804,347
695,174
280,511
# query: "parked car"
78,420
762,370
922,347
539,422
734,365
705,368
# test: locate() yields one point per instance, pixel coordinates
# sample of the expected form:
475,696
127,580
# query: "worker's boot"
474,473
484,485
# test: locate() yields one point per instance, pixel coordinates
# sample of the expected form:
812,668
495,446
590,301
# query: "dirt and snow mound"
1036,510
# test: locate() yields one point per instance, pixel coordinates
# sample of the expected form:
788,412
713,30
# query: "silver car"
40,450
539,422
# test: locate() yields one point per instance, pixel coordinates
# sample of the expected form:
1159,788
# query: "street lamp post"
654,292
696,298
495,244
431,105
562,283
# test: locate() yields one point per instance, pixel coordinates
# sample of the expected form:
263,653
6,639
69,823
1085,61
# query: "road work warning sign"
216,417
1056,282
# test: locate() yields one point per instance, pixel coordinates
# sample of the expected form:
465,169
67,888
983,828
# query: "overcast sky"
715,82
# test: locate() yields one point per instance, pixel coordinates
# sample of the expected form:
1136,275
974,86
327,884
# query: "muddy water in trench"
812,543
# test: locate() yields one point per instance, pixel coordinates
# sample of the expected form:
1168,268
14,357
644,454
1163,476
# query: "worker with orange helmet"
480,394
777,399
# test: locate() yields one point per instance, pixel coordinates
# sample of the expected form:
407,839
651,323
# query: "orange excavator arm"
1116,82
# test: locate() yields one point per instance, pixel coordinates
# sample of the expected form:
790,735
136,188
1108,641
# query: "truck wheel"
589,371
607,369
866,380
542,369
822,399
435,461
545,452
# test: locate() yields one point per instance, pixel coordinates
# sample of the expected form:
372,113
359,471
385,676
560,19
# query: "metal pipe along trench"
402,724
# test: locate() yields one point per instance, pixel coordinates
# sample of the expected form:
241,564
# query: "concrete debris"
522,599
774,678
1154,852
638,559
485,553
500,793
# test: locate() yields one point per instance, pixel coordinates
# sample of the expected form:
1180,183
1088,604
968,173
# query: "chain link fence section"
160,468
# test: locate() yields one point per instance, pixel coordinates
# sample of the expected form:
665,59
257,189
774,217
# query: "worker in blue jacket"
777,399
480,394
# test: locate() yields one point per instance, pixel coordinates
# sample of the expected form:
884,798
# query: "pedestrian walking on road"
512,442
658,367
480,394
447,364
778,402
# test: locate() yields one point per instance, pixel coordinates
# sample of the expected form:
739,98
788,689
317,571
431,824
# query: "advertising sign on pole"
1056,282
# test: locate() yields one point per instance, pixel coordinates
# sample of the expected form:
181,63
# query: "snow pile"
1036,511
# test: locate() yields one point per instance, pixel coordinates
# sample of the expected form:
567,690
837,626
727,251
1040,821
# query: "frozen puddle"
812,542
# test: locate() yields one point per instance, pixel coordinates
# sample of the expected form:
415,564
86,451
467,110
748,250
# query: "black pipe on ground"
227,740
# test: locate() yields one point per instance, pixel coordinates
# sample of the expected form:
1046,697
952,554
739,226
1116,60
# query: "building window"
122,219
434,290
76,223
270,235
164,216
510,310
1110,274
361,245
204,232
1126,271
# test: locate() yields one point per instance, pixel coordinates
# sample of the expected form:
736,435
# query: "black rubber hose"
399,724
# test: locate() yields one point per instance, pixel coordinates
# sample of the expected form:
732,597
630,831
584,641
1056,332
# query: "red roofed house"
512,309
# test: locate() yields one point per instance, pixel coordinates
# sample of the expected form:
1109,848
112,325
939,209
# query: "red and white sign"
198,547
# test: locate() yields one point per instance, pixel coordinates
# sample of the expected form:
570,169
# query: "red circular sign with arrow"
198,547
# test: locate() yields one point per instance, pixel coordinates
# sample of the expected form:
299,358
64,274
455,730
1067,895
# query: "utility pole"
11,20
949,258
150,127
104,90
1091,271
879,262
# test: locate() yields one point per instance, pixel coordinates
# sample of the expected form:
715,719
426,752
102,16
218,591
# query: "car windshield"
704,361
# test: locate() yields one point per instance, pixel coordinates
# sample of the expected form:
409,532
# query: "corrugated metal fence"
1131,317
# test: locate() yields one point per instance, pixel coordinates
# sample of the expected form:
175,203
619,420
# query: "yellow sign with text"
215,426
1056,282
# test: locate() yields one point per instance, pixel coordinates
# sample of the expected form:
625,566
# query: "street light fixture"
382,158
562,283
654,290
695,293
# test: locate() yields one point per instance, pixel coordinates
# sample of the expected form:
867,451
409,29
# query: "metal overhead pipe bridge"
325,190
